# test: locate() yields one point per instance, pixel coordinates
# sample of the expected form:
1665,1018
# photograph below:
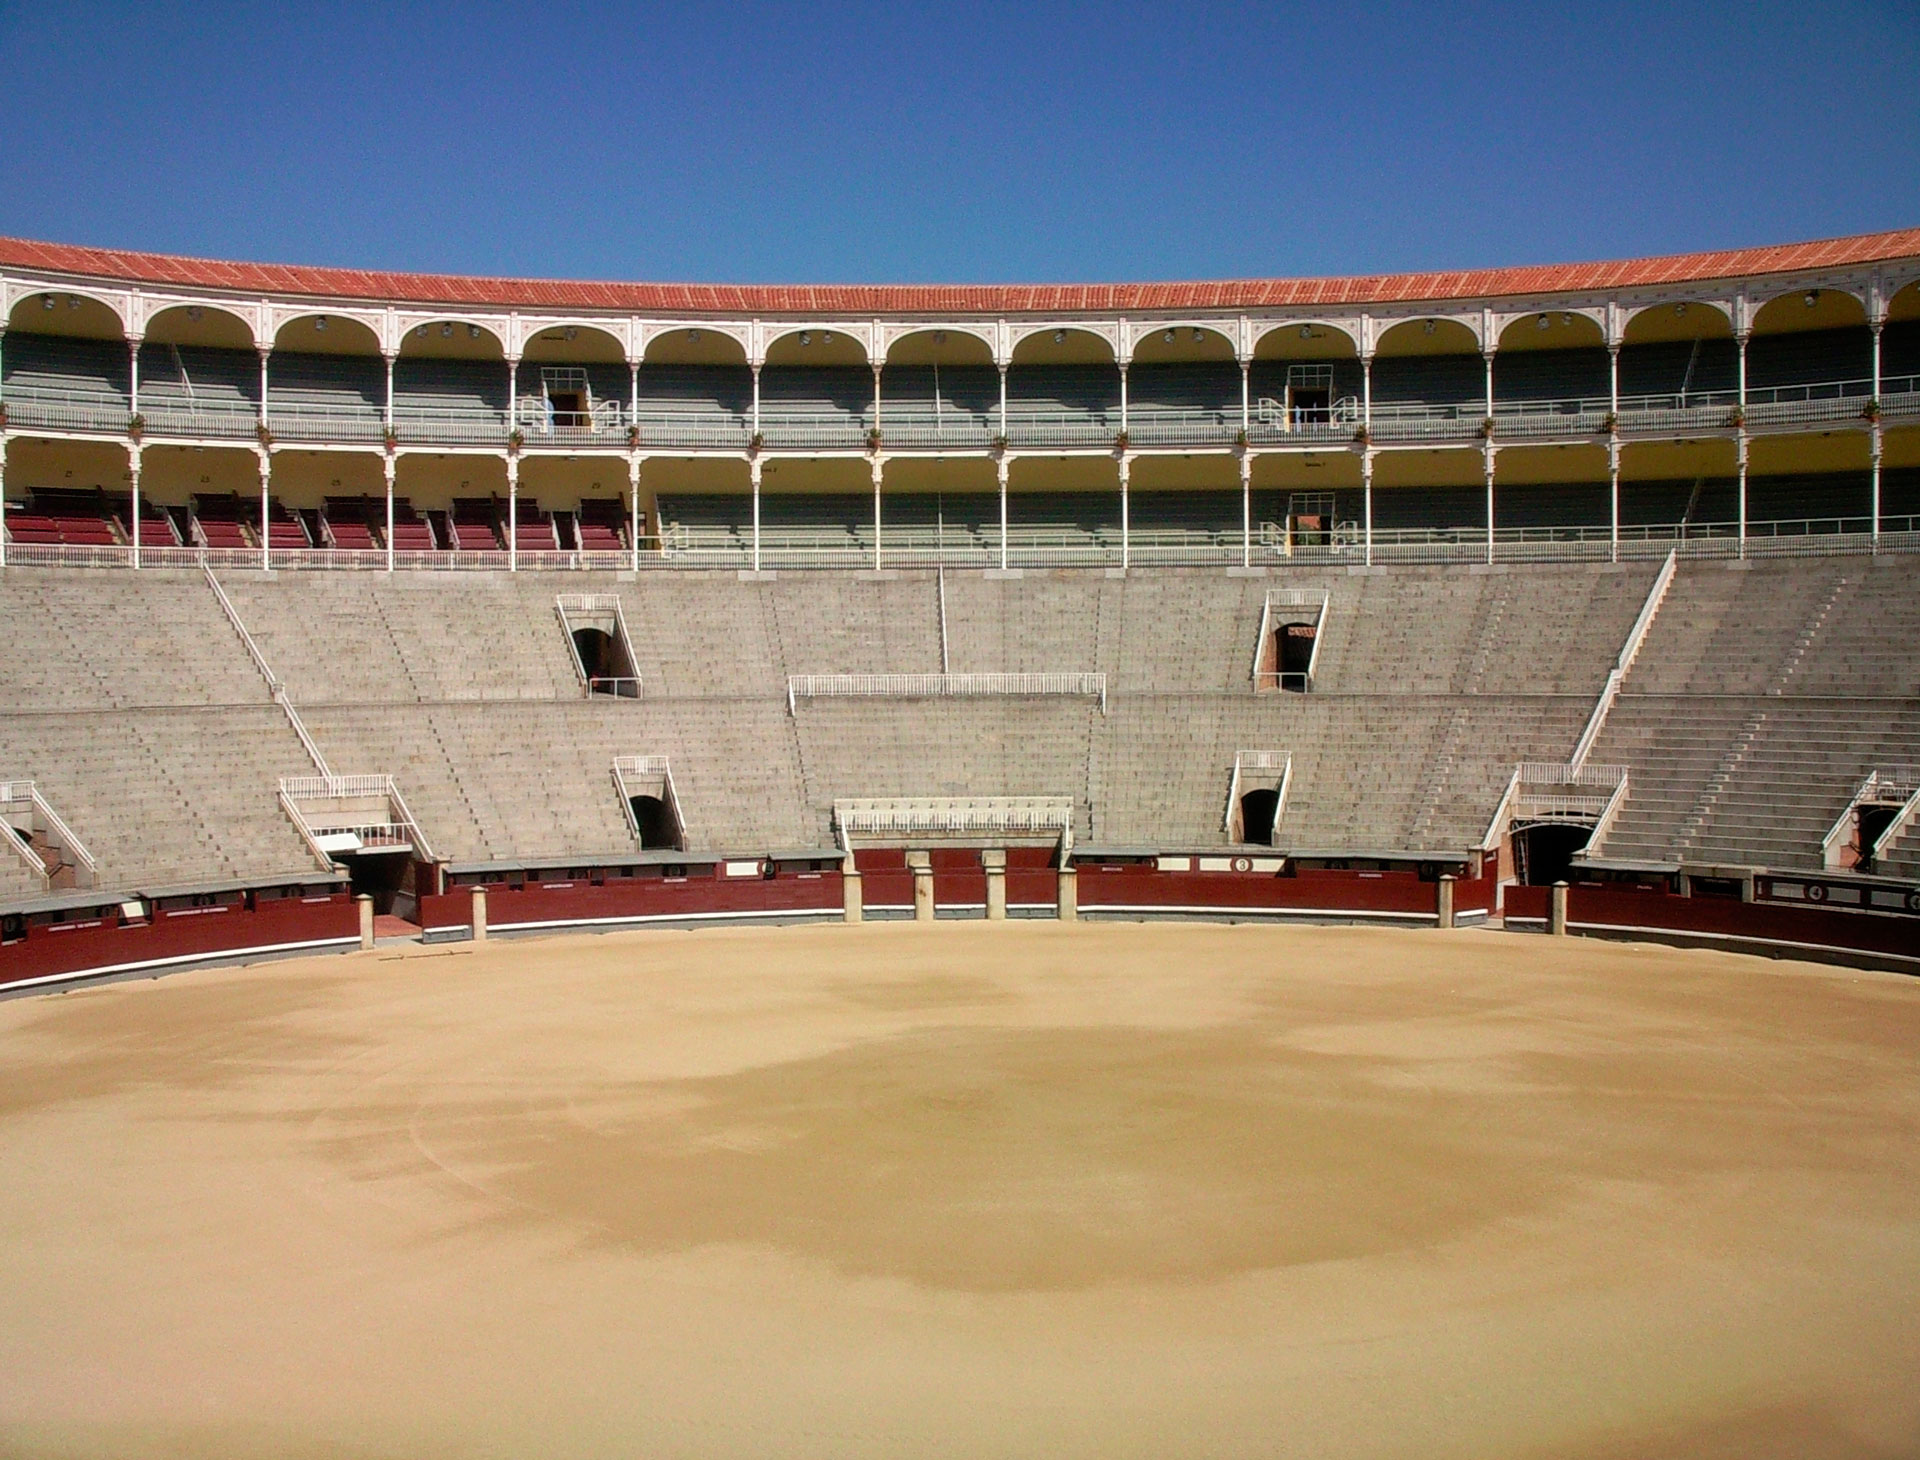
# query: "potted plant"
1486,429
390,438
756,443
1361,436
1610,424
999,442
264,434
516,438
1240,438
1736,418
633,437
136,425
873,440
1870,412
1121,441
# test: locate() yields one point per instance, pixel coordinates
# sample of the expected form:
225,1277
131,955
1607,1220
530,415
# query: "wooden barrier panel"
1144,887
558,904
106,942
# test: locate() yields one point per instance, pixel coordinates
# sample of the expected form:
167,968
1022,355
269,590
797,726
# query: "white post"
1126,541
753,472
389,466
513,511
633,394
1123,398
876,399
1003,402
1744,336
1487,457
1487,355
1366,392
513,392
1613,500
266,531
265,352
1876,449
133,375
755,435
1366,490
1740,449
1246,509
1613,383
633,520
133,475
877,469
1000,470
1246,399
389,363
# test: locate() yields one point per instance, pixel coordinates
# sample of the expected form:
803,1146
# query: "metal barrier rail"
940,686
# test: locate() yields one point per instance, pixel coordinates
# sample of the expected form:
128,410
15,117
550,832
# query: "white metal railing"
233,617
1629,651
570,605
954,816
335,788
1885,786
1548,791
1291,598
400,828
1266,762
628,769
941,686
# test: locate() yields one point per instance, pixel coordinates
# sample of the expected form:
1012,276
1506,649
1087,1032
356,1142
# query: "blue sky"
956,142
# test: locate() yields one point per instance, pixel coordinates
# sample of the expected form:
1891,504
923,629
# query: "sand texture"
971,1190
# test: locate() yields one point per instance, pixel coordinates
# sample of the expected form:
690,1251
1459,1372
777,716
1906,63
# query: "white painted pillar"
1000,470
1487,459
1613,384
1246,399
133,375
753,474
513,392
1875,448
878,468
1613,501
133,476
1123,398
633,394
265,352
1246,509
1003,403
389,418
755,434
1740,448
1487,355
390,466
1744,336
876,398
266,533
1366,392
513,511
1366,490
1126,533
633,518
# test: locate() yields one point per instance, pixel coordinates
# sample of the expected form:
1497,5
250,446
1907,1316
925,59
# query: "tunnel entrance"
1259,808
383,877
1294,653
1543,852
654,822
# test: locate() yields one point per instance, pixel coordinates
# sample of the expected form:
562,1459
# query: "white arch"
1264,327
859,332
18,292
1506,319
279,316
405,324
1107,332
1757,303
1630,312
619,331
1138,330
295,317
892,334
1473,323
152,309
739,331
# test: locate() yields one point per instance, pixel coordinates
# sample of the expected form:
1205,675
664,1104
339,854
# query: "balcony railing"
913,425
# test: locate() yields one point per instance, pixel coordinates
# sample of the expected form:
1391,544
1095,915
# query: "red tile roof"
840,299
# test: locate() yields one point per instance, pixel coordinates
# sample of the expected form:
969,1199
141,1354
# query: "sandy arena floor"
976,1190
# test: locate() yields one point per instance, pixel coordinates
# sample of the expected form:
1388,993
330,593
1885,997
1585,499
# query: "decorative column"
1123,397
876,403
1246,508
633,517
387,358
1000,468
266,531
266,352
1366,391
1246,399
1613,498
389,466
633,395
513,511
1366,492
1486,456
878,467
1874,437
133,374
513,392
1126,540
1003,402
754,436
753,474
133,476
1740,450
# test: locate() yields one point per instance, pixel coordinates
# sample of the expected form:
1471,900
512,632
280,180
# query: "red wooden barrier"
554,904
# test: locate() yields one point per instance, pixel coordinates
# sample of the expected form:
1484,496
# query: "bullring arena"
1323,866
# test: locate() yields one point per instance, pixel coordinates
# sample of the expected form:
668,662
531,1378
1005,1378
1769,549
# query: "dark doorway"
1311,405
1872,821
1295,652
380,875
1258,809
655,821
604,663
1543,853
569,408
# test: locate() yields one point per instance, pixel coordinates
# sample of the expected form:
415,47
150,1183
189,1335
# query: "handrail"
940,686
233,617
1629,651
